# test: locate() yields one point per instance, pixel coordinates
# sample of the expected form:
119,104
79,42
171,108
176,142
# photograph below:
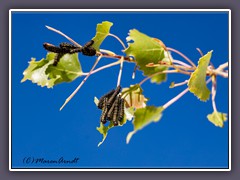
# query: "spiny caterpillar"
65,48
100,104
112,106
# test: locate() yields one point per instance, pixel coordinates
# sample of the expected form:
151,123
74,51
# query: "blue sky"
183,138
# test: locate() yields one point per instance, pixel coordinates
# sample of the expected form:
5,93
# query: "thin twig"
120,71
123,45
59,32
181,54
223,66
181,63
214,90
200,51
80,85
165,106
134,71
106,66
126,58
177,67
180,84
161,72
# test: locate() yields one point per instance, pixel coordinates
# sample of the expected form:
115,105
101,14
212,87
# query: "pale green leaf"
104,129
134,96
45,74
197,82
36,73
102,32
146,50
217,118
143,117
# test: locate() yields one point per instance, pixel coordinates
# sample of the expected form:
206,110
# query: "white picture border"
114,10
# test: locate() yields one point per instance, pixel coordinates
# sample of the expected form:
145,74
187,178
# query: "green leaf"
146,50
102,32
45,74
197,82
67,70
104,129
143,117
217,118
134,96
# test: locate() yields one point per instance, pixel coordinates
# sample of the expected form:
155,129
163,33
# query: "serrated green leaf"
104,129
146,50
45,74
217,118
102,32
36,73
197,82
143,117
67,70
134,96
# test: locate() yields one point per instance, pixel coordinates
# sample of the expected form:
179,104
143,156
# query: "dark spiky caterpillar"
88,50
110,112
121,110
100,103
112,98
104,111
65,48
115,111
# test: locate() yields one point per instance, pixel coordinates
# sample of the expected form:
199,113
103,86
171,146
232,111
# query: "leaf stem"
64,35
128,59
120,71
80,85
113,35
104,67
181,63
165,106
161,72
181,54
214,90
200,51
180,84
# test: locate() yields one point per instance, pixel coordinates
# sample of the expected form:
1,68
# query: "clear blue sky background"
183,138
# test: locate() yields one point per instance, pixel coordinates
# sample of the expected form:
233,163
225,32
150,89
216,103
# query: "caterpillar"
112,98
70,48
110,112
76,50
52,48
89,43
115,112
121,110
100,103
104,112
87,50
57,58
67,45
